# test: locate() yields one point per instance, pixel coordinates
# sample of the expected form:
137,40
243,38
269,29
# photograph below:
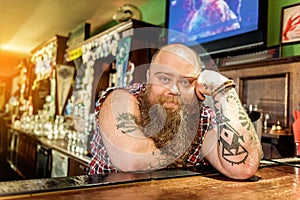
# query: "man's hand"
207,81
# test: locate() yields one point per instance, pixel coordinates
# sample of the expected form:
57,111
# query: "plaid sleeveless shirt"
101,163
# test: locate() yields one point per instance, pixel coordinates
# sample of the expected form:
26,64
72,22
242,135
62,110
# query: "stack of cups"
296,130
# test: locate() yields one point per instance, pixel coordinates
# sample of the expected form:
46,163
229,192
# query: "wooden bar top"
270,182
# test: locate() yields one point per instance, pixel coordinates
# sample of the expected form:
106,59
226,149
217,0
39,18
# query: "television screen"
209,21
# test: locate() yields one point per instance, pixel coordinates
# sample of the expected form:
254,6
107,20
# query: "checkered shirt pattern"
101,163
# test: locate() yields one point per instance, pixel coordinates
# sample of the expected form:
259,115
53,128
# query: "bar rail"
275,179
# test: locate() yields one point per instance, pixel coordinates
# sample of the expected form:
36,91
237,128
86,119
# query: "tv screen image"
216,24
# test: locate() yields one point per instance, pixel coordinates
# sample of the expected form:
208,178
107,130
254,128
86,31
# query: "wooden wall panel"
272,68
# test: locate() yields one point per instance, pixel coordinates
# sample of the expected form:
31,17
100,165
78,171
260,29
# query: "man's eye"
164,79
185,82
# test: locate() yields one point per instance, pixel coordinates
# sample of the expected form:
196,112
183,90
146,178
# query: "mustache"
168,99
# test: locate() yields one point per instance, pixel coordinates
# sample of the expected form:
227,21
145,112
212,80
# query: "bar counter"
272,181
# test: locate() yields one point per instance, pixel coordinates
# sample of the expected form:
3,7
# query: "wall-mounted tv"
218,25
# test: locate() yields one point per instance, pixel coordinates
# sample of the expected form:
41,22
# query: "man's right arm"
127,146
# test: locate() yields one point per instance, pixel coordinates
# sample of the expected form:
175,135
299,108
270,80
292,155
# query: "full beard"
172,130
159,124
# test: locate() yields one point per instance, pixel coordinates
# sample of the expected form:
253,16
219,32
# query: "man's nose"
174,90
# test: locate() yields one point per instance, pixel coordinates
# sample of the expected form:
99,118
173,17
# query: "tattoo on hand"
161,161
127,122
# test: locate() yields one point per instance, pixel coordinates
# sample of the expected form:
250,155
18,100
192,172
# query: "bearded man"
164,123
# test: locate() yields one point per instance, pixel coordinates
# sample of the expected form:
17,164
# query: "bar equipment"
296,130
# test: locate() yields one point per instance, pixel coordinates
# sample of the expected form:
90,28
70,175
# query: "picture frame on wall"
290,24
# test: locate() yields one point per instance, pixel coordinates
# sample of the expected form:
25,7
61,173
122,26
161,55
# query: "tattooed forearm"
233,150
243,116
231,142
127,122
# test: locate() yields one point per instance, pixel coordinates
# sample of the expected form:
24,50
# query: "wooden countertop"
270,182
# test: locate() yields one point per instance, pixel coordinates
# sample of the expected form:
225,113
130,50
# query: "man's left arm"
232,146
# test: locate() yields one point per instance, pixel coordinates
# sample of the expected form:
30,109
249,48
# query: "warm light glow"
13,48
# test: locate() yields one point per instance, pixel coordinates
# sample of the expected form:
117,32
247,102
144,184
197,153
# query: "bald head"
181,51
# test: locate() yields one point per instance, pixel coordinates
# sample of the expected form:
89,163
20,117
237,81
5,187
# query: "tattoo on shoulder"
126,122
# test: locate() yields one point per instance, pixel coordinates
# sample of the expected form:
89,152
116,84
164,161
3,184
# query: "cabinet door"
13,141
43,163
3,133
77,167
26,155
59,164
